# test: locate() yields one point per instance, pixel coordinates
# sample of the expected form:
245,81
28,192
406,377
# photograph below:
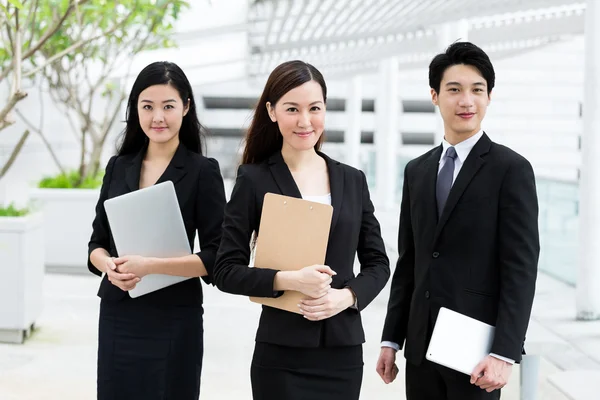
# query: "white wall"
34,160
536,107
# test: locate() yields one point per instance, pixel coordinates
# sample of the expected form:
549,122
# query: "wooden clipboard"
293,234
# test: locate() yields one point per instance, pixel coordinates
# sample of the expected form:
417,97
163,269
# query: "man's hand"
386,365
491,374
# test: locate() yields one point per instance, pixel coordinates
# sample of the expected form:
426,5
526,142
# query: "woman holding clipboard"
317,353
151,347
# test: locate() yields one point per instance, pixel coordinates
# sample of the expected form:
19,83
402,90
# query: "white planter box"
21,275
68,217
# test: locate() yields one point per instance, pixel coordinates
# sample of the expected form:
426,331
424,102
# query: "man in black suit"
468,239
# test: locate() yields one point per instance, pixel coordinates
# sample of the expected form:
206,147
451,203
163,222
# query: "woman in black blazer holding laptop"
318,354
151,347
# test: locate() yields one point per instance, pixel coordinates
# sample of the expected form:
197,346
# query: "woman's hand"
136,265
124,281
334,302
313,281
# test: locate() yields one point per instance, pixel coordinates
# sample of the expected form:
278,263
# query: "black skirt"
292,373
148,352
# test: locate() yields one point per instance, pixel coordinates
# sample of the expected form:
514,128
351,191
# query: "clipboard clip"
285,204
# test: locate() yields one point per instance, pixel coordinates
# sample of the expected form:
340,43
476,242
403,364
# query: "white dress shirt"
462,151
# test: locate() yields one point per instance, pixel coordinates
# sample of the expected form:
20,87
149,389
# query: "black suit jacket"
201,195
354,229
478,258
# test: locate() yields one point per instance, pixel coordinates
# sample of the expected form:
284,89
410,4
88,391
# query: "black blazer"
479,258
354,229
201,195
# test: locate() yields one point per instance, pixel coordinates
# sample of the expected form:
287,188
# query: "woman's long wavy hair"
263,137
191,134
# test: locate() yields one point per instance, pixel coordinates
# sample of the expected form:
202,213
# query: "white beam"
387,111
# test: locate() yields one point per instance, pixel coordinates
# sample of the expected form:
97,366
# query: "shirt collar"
463,148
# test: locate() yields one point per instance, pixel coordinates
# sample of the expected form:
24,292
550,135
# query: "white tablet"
459,342
148,222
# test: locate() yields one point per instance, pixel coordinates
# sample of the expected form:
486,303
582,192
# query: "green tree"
62,41
29,27
93,77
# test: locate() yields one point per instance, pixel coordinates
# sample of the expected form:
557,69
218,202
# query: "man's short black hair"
461,53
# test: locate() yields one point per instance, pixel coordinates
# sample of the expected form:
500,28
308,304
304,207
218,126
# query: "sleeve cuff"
91,266
355,305
508,360
208,261
393,345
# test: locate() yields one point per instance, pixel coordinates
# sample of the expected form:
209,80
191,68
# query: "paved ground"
58,360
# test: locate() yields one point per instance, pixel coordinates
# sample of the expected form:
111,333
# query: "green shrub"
12,211
69,180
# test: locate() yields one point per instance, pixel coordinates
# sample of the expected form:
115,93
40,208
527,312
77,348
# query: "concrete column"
456,31
449,33
352,135
588,278
529,377
387,134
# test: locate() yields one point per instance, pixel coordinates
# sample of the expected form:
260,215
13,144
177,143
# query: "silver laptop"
148,222
459,342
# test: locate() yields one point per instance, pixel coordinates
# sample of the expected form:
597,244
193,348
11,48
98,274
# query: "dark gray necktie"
444,180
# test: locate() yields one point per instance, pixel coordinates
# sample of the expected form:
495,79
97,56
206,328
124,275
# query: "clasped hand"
325,302
332,303
127,271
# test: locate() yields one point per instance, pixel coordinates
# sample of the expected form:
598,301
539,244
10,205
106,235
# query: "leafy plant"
12,211
71,180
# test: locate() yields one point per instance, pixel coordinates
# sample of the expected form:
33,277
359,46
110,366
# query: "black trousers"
149,353
430,381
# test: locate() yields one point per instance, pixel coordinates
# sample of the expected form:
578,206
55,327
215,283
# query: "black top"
354,229
201,195
478,258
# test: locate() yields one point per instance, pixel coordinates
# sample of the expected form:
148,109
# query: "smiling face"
300,116
161,111
463,101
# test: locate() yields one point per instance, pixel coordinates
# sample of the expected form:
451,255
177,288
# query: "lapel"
283,177
285,181
468,171
336,185
132,173
174,171
430,171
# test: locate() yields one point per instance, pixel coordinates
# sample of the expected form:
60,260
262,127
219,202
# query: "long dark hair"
191,134
263,138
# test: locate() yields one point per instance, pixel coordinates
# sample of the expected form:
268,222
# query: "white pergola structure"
349,38
353,36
